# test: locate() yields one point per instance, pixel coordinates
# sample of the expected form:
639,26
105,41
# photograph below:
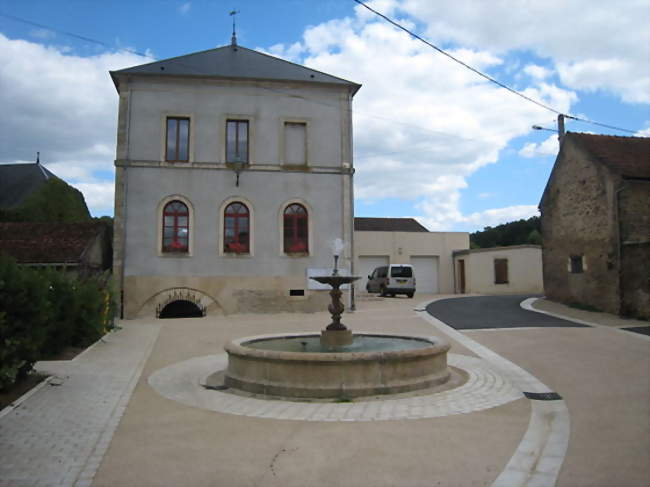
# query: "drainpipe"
619,252
353,304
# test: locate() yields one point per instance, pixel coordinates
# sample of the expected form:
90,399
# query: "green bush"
44,311
26,311
88,324
65,304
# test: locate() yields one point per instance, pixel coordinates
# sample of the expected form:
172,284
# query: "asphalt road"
481,312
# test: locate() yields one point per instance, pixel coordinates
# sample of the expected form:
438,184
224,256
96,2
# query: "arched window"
236,230
296,234
176,227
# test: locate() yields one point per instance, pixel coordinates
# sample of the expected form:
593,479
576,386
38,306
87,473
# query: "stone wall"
578,219
634,216
223,295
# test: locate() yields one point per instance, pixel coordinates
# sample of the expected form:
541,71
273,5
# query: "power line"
487,77
70,34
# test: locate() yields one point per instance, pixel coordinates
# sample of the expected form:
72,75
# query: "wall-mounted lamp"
238,166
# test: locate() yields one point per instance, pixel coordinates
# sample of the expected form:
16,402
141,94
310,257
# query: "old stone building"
233,176
595,213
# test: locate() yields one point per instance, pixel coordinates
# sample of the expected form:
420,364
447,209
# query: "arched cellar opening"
181,308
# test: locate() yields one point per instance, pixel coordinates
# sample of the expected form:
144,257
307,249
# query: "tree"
514,233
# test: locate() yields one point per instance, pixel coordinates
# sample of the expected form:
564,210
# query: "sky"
432,139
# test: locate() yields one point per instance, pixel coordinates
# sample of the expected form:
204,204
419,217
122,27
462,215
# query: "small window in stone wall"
500,271
576,264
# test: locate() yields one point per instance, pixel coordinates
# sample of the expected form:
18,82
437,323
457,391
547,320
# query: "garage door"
366,265
426,274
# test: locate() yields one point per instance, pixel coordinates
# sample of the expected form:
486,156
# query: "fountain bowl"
297,366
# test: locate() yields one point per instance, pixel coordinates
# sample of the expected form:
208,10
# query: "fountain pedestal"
336,334
335,338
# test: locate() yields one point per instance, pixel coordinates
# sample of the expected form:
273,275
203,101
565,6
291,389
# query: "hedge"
42,311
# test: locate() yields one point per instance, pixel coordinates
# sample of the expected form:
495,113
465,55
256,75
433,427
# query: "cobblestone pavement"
484,389
59,436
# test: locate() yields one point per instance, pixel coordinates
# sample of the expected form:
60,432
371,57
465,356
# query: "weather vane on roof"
233,40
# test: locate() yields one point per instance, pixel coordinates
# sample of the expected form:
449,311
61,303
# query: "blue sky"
432,140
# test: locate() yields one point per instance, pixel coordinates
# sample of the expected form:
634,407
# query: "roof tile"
45,243
627,156
363,224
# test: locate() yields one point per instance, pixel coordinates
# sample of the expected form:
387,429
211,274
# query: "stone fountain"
336,363
336,334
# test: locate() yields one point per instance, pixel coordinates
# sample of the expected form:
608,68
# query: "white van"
391,280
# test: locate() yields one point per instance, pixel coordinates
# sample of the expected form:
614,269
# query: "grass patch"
343,399
584,307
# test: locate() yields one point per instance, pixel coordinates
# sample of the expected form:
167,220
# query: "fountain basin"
279,365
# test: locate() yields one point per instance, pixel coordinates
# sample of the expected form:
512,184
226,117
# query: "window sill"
174,255
296,255
235,255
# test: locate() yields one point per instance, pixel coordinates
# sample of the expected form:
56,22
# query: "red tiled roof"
47,243
627,156
362,224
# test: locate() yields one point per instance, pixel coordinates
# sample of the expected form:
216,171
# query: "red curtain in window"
176,227
236,229
295,229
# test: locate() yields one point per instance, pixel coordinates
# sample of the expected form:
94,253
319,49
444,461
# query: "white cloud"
185,8
617,76
643,133
423,124
497,216
595,45
481,219
537,72
99,196
63,106
289,52
549,147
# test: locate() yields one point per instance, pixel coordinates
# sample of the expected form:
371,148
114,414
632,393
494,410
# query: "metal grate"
543,396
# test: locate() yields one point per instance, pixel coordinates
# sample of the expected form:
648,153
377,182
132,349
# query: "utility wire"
487,77
70,34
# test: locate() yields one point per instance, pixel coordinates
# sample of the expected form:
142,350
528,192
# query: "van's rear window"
401,272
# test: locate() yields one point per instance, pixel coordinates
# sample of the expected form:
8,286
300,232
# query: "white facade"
298,152
499,270
430,253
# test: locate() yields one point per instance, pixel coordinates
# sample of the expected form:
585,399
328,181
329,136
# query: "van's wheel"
410,295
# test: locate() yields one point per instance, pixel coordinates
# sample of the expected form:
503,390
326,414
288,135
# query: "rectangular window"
500,271
576,264
178,139
295,143
237,141
401,271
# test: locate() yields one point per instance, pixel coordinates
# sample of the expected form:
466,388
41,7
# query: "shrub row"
42,311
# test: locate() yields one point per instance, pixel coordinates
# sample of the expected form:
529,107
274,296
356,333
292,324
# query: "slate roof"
47,243
627,156
18,181
363,224
233,62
